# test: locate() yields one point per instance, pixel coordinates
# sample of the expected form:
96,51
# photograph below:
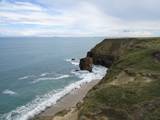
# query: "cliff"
131,88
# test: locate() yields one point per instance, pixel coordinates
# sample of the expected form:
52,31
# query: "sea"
36,72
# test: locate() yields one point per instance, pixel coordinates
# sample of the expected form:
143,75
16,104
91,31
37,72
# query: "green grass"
139,62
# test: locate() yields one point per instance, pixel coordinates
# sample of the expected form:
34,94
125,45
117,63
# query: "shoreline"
68,102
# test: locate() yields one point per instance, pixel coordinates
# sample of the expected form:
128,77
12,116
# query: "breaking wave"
73,61
41,103
25,77
50,78
9,92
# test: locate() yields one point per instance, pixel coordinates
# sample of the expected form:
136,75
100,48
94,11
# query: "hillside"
131,88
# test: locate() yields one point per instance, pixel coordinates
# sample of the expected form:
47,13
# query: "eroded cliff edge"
131,89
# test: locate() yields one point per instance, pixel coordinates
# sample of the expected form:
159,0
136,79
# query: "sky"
111,18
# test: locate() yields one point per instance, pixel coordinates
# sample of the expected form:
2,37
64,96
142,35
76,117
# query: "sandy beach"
68,102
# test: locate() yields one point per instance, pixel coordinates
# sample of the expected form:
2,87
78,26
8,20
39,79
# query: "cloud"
25,6
125,9
28,13
71,18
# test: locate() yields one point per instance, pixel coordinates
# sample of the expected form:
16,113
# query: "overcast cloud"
79,18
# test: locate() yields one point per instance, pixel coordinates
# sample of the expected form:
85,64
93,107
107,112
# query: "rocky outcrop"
104,60
109,50
86,64
130,90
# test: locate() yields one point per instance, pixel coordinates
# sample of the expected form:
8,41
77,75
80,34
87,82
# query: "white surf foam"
34,76
97,73
73,62
22,78
9,92
41,103
25,77
46,73
43,74
50,78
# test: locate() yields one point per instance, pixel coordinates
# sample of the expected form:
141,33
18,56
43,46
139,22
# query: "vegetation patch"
137,99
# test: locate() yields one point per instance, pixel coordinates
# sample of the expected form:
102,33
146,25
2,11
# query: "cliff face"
86,64
131,89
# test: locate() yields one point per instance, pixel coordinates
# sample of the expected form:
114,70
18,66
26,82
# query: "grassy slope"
131,89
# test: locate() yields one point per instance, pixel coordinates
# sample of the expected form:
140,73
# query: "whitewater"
42,102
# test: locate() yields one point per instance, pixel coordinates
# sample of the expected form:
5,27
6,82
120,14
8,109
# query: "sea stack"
86,64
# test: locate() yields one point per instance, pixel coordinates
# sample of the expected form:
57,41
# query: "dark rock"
73,59
86,64
78,105
89,54
156,55
76,70
104,60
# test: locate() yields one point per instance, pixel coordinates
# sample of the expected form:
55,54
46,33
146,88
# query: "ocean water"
36,72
